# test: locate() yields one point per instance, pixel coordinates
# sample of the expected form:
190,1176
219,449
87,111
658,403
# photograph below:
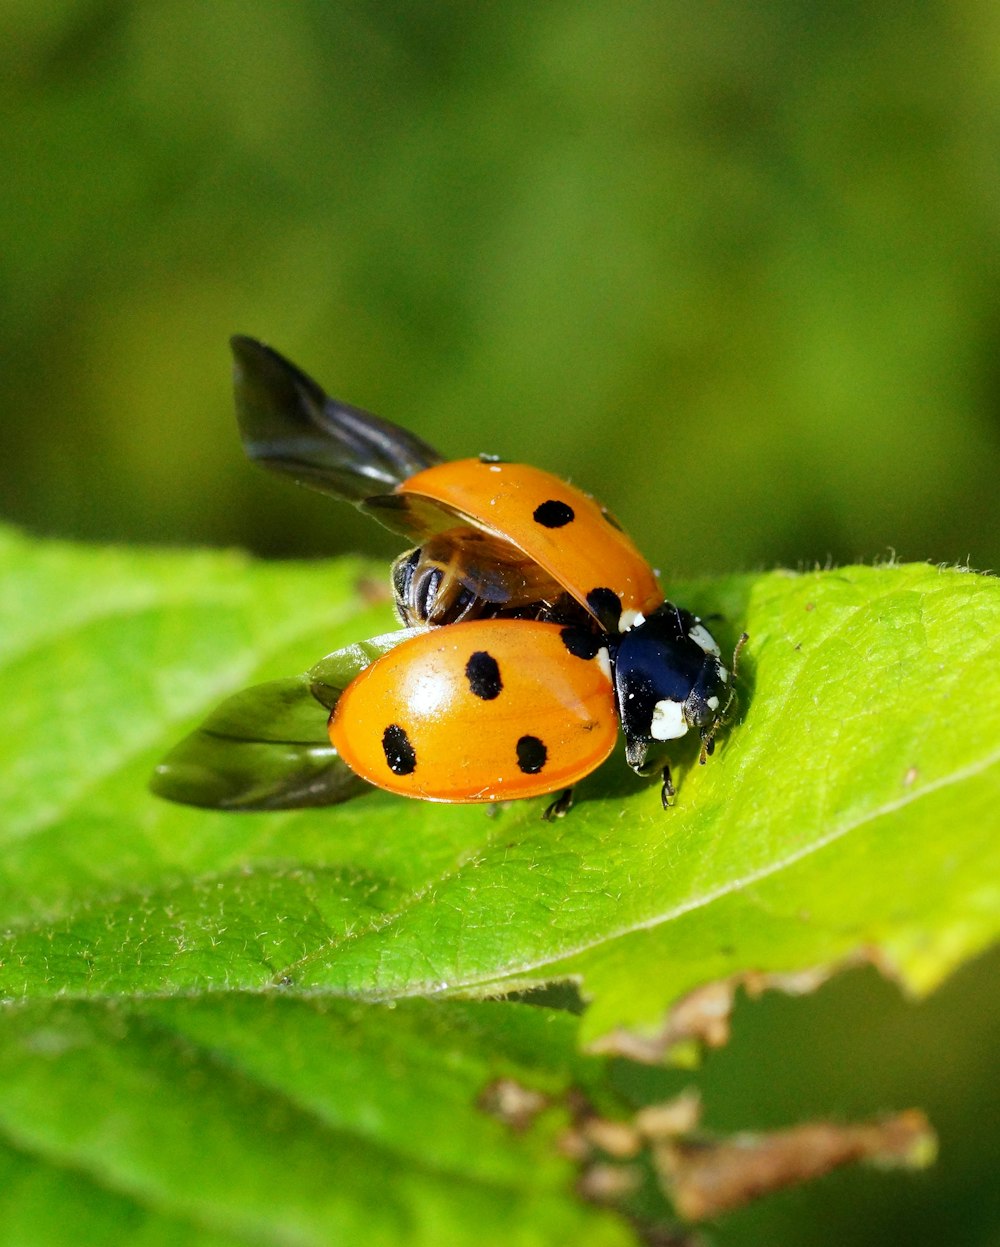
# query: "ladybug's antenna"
738,649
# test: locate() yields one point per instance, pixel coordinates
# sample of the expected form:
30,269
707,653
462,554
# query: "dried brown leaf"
704,1177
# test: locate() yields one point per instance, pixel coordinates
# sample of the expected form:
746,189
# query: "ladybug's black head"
669,678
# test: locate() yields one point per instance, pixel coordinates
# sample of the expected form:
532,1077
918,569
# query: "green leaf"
174,974
234,1119
818,830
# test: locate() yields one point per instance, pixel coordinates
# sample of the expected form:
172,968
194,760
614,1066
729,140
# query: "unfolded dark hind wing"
267,747
290,425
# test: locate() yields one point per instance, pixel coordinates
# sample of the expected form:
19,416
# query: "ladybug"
544,627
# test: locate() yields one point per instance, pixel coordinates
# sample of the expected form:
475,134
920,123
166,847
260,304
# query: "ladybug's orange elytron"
485,710
522,559
559,528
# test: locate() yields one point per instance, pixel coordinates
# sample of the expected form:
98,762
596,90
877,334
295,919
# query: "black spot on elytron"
611,519
483,675
607,606
580,642
531,755
554,514
399,753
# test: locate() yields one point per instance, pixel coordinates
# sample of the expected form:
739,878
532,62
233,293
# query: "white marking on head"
723,675
712,703
668,720
704,639
630,619
604,661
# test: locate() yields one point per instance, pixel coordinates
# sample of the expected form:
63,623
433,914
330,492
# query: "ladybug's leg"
668,791
560,807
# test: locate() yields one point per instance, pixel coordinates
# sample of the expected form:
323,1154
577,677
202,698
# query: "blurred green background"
733,267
